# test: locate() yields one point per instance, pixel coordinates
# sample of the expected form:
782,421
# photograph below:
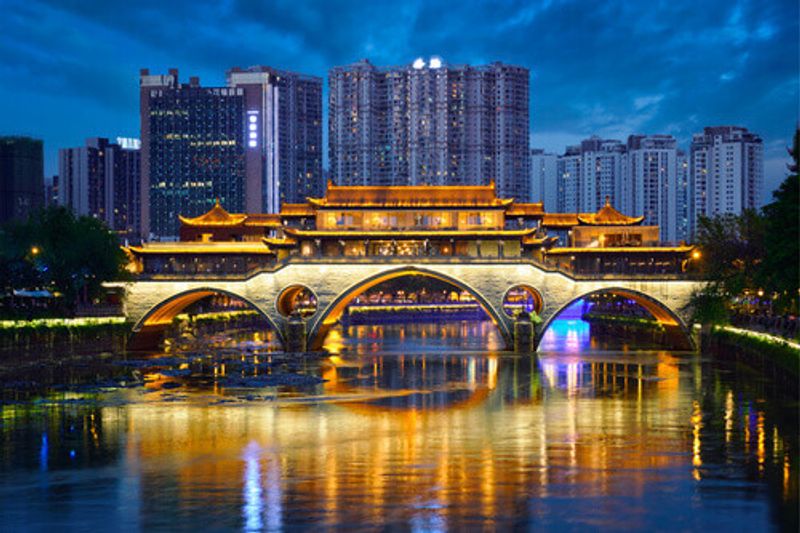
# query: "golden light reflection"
729,410
372,457
761,439
787,471
697,424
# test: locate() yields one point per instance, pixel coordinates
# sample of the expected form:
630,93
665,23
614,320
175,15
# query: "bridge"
151,304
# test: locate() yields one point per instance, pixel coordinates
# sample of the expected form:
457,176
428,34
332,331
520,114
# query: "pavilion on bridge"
468,222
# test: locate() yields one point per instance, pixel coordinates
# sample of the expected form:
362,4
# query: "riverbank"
87,335
768,353
637,329
70,335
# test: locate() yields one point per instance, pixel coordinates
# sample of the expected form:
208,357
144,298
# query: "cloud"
69,68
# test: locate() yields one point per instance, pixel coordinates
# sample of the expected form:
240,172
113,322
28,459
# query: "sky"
69,68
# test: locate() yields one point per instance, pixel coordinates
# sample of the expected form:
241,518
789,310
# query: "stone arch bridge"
151,304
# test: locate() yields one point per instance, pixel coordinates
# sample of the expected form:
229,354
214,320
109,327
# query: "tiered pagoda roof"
608,216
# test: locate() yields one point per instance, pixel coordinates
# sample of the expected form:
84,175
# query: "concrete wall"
335,281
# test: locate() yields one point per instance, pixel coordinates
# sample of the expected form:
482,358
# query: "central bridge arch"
329,316
675,327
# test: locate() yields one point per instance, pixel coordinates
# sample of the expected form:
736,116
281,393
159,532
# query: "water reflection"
419,440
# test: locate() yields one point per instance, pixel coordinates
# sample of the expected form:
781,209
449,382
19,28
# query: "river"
424,427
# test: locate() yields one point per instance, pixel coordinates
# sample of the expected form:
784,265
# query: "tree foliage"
58,251
732,249
781,267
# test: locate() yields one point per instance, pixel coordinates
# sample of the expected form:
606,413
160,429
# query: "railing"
417,260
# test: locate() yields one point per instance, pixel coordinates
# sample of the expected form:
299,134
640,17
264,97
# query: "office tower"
726,172
430,123
569,169
284,129
193,150
21,177
252,145
101,179
651,187
544,179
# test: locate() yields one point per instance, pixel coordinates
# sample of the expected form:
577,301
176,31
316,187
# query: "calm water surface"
416,427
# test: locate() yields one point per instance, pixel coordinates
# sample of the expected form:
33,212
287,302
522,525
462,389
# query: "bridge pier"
296,335
524,334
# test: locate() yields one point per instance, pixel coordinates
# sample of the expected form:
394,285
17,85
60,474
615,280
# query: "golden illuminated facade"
381,222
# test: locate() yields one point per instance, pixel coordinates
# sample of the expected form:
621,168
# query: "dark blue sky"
69,68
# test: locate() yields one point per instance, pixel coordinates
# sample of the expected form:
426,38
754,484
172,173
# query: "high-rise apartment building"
544,179
430,123
284,136
651,187
603,170
21,177
590,173
569,169
684,199
101,179
726,172
252,145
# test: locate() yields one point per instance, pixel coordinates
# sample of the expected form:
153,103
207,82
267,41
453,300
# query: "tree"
55,250
781,267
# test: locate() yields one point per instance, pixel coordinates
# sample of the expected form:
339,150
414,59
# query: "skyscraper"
193,150
101,179
284,129
544,179
21,177
726,172
430,123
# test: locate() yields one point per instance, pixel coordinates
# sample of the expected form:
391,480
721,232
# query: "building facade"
430,123
544,179
21,177
726,172
284,136
101,179
252,144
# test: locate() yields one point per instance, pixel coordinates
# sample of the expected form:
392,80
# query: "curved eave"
200,222
539,241
279,243
200,250
627,221
409,234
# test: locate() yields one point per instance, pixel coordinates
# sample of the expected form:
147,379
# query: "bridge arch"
659,310
333,311
160,315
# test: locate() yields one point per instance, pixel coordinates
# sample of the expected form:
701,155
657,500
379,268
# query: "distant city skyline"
673,70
